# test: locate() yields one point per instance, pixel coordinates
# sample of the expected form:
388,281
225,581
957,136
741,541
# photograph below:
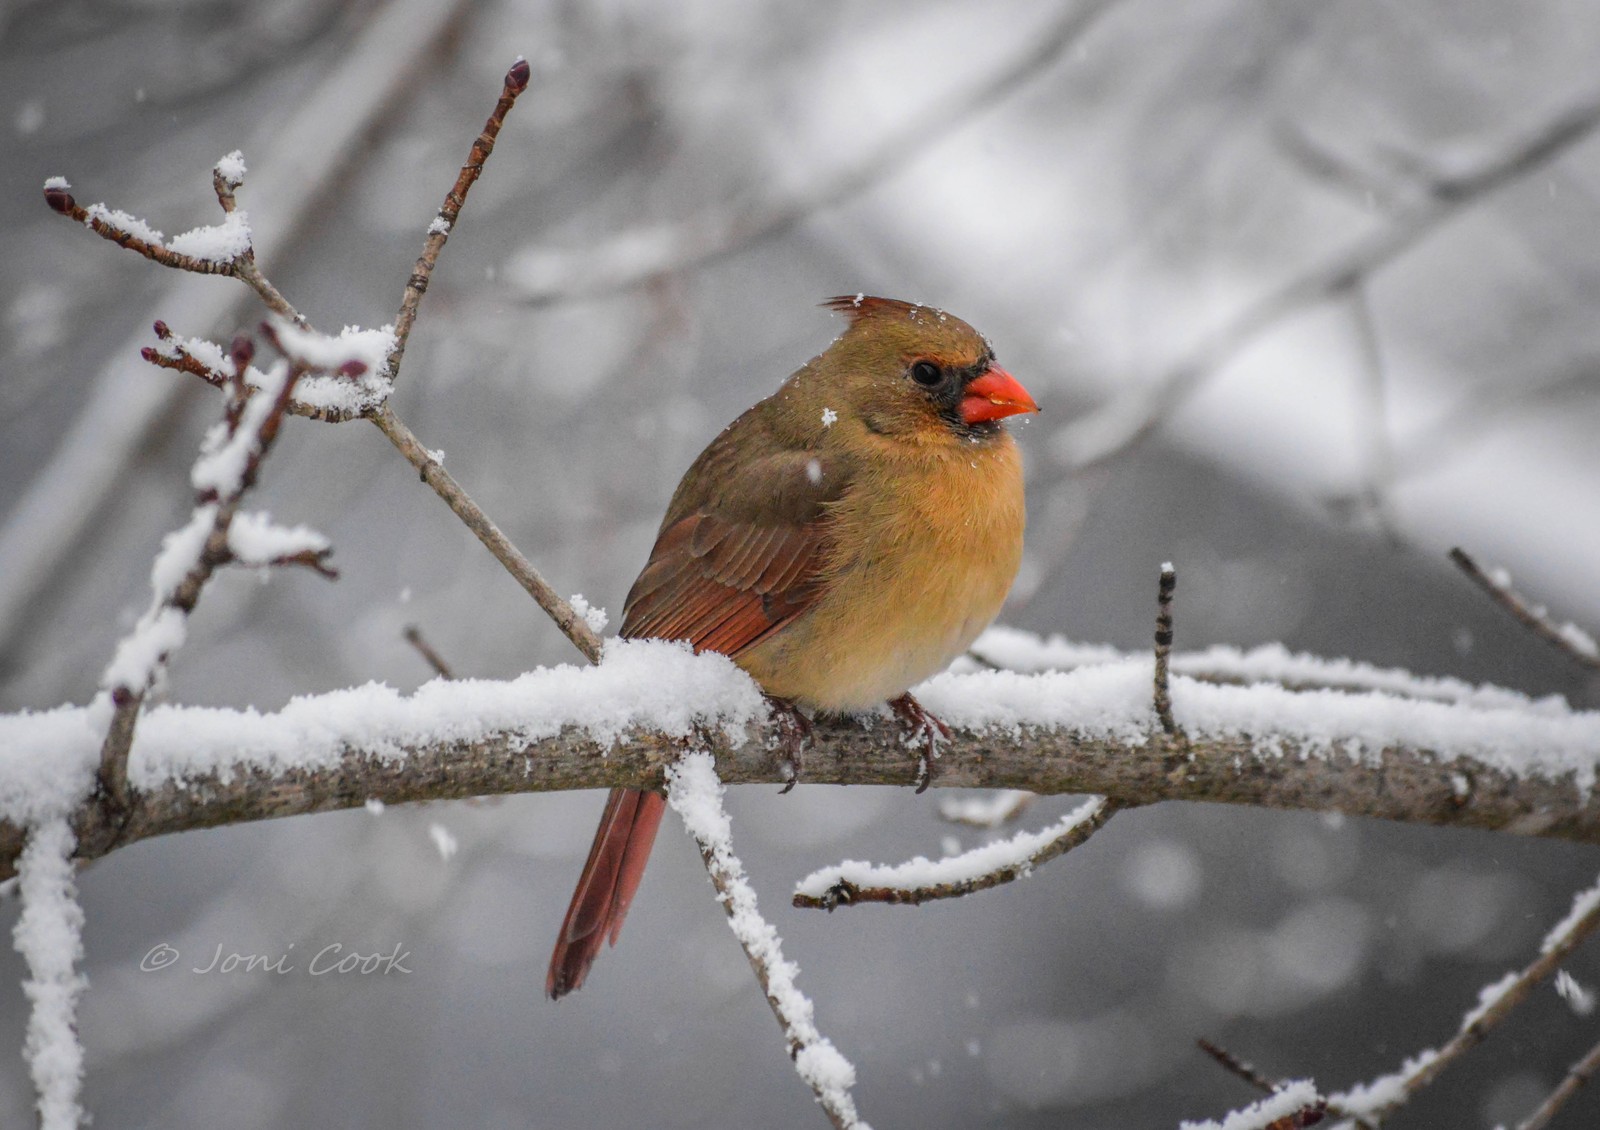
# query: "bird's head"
917,373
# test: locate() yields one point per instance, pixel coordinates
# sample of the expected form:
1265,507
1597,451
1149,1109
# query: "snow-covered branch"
1496,761
227,468
695,794
1371,1103
923,880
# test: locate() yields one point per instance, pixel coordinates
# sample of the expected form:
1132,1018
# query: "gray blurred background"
1141,204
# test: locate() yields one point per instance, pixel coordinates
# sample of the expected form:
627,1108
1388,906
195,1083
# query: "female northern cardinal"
841,541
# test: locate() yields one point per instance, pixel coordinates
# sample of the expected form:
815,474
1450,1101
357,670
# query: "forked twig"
187,561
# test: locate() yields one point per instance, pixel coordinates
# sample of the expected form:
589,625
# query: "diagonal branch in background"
635,256
1372,1103
1571,640
1570,1085
1125,421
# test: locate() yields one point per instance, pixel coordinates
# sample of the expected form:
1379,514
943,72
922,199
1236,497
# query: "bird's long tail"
610,877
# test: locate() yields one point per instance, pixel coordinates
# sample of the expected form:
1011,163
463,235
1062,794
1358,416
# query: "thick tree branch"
1411,785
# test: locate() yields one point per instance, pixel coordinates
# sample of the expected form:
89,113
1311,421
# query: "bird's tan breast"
922,552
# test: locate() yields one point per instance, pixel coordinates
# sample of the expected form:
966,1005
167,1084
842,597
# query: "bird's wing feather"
722,585
724,579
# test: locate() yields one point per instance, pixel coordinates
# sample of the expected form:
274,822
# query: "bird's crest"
858,306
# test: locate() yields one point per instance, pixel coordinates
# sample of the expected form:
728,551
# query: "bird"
841,541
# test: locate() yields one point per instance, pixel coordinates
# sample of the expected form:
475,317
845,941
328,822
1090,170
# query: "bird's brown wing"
725,585
741,551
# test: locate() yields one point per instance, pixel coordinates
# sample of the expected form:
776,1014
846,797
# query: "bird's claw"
794,732
921,728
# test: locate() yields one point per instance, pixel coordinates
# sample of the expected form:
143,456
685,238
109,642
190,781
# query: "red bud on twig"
517,77
352,368
60,200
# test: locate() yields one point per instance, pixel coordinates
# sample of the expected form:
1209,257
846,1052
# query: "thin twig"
1237,1066
1575,1080
917,882
240,265
516,81
434,474
1570,640
1163,693
983,660
413,636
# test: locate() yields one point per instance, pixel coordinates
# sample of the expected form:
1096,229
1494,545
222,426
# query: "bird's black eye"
926,373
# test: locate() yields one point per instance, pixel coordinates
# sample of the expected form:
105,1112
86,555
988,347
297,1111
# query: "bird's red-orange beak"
993,396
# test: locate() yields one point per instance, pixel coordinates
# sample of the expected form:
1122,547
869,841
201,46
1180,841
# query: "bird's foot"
921,728
794,733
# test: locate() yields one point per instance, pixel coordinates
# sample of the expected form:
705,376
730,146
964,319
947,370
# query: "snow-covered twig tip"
695,794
